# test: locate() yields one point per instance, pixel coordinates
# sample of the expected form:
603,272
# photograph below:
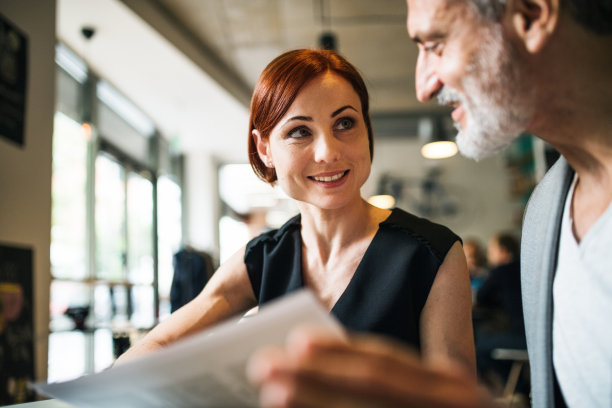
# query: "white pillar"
201,202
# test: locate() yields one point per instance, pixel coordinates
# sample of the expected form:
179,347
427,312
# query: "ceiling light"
437,143
439,150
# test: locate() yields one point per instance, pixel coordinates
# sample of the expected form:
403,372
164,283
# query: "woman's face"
320,147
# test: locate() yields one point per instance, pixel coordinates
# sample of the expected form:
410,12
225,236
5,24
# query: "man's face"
465,62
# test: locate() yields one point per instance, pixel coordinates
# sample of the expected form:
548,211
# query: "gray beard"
494,99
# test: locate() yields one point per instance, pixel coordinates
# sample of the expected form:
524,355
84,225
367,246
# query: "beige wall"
481,189
25,172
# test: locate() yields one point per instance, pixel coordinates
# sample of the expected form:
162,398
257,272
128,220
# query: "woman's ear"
534,21
263,148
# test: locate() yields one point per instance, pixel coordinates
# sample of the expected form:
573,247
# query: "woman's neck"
332,231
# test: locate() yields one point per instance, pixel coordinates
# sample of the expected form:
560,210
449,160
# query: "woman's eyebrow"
338,111
309,118
306,118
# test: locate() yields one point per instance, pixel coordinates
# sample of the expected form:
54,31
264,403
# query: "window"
67,348
68,233
124,242
111,200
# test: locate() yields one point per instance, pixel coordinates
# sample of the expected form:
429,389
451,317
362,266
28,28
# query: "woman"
380,271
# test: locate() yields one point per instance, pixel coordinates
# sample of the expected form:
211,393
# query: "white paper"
204,370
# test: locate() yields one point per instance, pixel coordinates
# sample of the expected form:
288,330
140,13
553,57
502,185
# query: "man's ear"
263,148
534,21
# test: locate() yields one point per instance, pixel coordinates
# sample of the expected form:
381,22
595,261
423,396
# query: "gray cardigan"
539,246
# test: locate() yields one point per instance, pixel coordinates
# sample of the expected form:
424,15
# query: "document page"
204,370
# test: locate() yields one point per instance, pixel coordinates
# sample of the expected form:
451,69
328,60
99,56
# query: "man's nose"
427,81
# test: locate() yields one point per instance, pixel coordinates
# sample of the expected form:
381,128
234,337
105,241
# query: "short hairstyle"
509,243
278,86
594,15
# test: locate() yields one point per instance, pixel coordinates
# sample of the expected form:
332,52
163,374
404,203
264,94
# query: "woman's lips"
329,177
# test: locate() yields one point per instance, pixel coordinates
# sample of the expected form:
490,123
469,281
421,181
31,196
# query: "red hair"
278,86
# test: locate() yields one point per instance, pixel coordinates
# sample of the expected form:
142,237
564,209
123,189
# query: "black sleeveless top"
389,287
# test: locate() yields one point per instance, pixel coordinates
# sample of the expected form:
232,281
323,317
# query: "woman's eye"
345,124
298,132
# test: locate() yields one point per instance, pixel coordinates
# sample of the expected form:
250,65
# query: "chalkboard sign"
13,78
16,325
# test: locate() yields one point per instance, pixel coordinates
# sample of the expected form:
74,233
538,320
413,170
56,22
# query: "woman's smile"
330,177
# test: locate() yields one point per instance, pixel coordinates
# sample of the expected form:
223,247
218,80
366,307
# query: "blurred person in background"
476,261
500,308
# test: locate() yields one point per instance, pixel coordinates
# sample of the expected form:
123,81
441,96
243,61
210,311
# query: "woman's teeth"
330,178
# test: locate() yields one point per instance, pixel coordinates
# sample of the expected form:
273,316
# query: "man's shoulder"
549,193
553,179
542,219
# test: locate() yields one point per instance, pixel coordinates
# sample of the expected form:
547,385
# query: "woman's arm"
227,293
446,319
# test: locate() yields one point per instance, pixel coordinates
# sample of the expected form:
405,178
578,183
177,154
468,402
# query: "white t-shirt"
582,317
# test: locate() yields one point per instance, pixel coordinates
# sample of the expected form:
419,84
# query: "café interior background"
140,107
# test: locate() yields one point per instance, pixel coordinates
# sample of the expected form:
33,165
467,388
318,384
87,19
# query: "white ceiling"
247,34
191,64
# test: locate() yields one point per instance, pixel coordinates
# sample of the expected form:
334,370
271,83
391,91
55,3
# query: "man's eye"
299,132
345,124
434,47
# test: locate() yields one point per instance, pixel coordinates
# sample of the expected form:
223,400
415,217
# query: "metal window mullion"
88,116
155,146
155,239
126,237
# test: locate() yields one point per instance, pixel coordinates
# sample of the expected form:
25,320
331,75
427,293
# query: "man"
539,66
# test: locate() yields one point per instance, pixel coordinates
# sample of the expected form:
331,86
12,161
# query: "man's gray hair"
594,15
491,9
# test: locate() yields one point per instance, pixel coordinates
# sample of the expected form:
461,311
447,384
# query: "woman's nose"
327,147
